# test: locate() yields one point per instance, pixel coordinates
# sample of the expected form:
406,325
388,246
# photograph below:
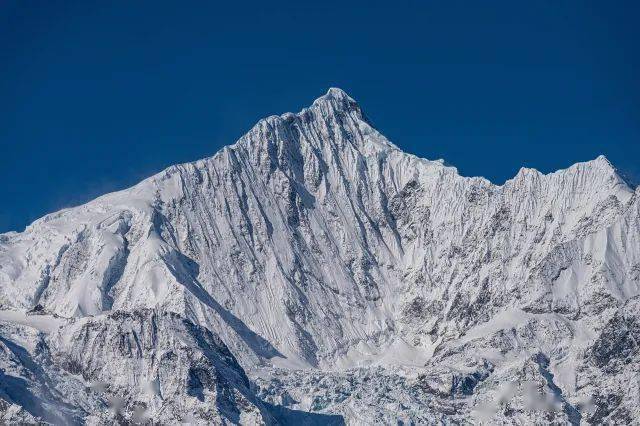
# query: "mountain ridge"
319,252
334,93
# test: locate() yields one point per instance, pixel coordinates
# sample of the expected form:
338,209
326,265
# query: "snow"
44,323
326,259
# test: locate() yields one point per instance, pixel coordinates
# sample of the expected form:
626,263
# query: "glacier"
314,273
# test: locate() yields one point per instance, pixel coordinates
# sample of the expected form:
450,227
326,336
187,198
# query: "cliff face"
319,252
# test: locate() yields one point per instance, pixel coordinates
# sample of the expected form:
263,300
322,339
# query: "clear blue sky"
95,96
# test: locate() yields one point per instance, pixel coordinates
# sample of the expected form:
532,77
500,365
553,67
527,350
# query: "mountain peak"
603,161
337,93
337,100
315,251
603,164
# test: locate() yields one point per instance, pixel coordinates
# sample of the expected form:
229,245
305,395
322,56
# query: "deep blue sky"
95,96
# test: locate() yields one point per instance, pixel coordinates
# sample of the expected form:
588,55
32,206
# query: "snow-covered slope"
346,277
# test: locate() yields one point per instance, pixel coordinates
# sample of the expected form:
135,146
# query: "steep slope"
133,366
314,246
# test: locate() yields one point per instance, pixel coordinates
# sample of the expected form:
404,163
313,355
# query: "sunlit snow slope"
352,282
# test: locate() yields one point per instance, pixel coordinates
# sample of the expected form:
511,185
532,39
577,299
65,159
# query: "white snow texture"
313,273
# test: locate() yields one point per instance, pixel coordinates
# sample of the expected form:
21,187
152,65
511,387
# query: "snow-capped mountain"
314,273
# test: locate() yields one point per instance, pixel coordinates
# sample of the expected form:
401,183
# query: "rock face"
131,367
352,282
